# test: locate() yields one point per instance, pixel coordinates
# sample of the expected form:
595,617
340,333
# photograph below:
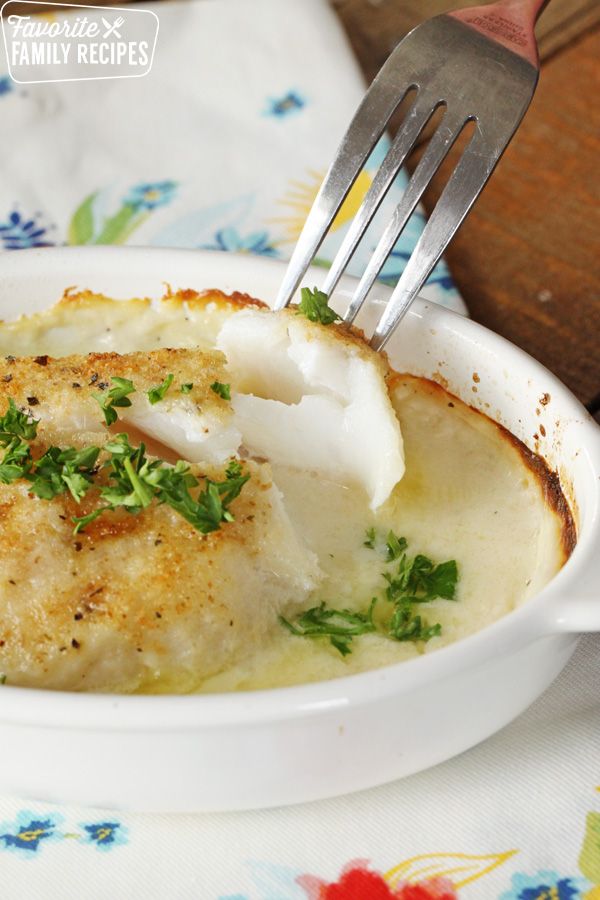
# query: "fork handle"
508,22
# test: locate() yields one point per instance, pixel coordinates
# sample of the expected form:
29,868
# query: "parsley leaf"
313,304
116,397
157,393
15,423
404,626
186,388
339,625
60,470
81,521
16,461
223,390
443,580
423,580
371,537
395,546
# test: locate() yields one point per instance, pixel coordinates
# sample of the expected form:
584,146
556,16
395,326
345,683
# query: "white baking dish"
265,748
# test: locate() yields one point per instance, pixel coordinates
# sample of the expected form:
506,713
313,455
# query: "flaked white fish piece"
313,397
198,426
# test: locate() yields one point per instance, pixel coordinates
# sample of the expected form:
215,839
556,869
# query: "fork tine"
415,121
441,142
365,129
464,186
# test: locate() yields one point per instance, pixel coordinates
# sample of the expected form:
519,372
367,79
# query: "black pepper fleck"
76,384
7,378
78,545
158,615
10,581
9,359
33,401
41,360
75,644
78,617
102,385
94,378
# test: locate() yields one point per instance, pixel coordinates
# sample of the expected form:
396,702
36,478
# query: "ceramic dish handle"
581,611
580,615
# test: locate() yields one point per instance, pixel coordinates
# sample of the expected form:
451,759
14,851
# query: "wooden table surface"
527,259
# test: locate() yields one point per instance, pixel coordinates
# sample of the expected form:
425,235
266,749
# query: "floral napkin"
225,153
222,146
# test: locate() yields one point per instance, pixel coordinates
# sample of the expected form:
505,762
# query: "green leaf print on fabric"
589,859
81,227
135,208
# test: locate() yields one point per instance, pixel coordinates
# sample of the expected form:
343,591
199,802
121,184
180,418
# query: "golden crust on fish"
137,599
84,321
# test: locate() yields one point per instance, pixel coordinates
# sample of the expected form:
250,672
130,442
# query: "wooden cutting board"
376,26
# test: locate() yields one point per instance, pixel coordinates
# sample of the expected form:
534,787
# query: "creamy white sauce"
466,495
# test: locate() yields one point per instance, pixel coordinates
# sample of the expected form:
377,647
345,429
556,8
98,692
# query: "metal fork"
481,64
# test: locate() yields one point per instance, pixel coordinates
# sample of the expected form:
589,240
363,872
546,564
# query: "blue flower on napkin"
292,102
396,263
544,884
105,835
7,85
26,834
19,232
231,240
149,195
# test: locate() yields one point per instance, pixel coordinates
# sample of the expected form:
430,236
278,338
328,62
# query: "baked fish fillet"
137,602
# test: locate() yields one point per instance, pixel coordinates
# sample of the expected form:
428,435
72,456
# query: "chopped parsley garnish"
135,481
371,537
157,393
223,390
186,388
16,461
339,625
421,580
405,626
211,506
395,546
313,304
416,580
116,397
16,429
81,521
60,470
131,480
15,423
